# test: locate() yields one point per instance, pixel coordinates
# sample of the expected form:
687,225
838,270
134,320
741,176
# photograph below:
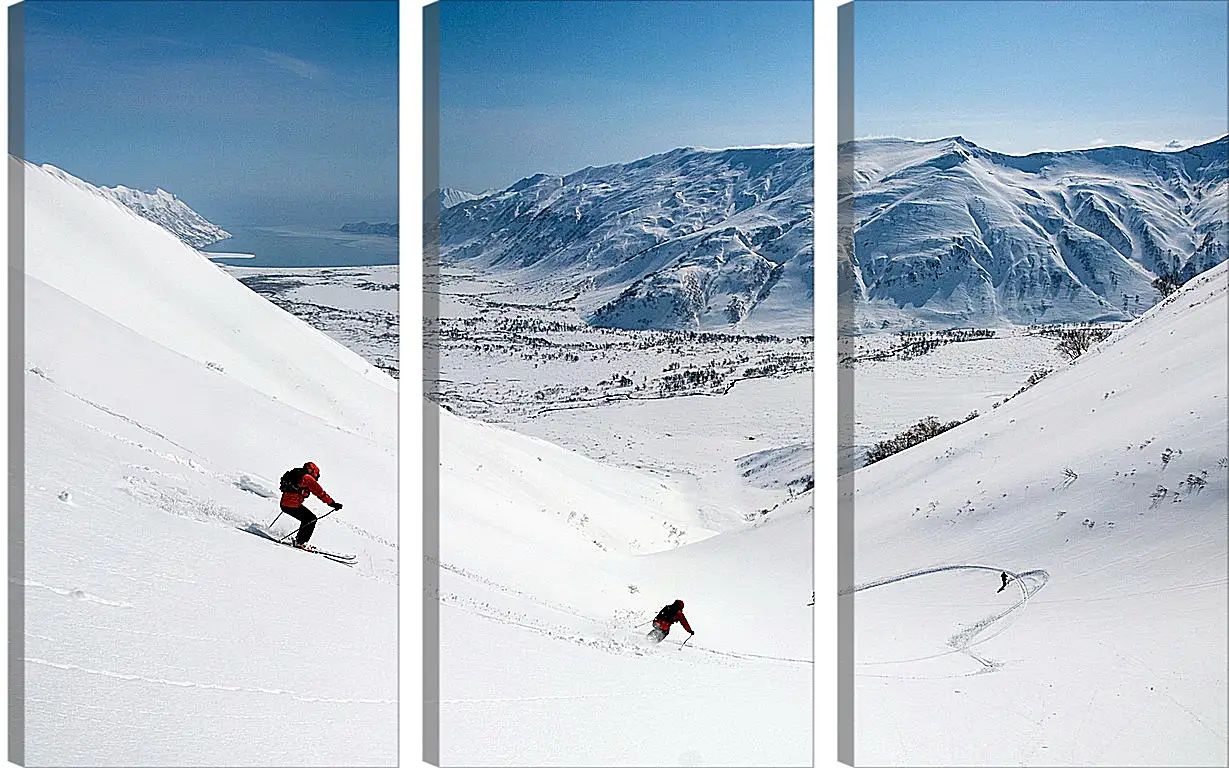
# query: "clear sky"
248,111
1024,76
553,87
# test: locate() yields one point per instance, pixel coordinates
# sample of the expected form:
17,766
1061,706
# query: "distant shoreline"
387,229
303,244
223,255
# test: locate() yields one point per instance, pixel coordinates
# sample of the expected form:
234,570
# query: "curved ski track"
1028,582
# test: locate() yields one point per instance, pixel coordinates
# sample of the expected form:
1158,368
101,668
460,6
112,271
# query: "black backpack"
668,614
291,480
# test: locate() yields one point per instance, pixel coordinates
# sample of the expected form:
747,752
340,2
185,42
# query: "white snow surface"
1102,491
163,400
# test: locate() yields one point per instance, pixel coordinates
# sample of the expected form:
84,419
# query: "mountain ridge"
161,207
946,233
692,238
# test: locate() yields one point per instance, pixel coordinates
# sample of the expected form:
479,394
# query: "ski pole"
638,626
279,517
688,640
296,530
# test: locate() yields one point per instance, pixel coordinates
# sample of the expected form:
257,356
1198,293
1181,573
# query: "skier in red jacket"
292,502
665,617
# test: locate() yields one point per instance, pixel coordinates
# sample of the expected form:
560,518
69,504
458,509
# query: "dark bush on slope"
918,433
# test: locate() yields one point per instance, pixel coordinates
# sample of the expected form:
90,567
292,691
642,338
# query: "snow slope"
549,561
160,207
689,239
1103,488
267,349
949,234
163,399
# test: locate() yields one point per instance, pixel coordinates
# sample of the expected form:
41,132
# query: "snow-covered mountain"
1101,493
159,206
163,400
947,233
450,196
689,239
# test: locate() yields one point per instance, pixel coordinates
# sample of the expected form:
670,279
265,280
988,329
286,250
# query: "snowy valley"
616,470
605,483
625,393
596,464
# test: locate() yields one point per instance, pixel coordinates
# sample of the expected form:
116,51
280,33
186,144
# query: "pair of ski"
336,557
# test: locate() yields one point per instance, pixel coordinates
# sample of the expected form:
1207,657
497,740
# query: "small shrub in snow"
1075,341
1158,495
920,432
1195,483
1167,284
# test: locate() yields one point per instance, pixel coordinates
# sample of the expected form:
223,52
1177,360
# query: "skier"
1004,583
297,486
665,617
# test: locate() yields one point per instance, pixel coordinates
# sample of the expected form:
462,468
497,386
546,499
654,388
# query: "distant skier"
1004,582
665,617
297,486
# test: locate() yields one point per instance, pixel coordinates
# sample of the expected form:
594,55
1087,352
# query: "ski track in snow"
609,643
1028,582
77,594
206,686
41,374
519,699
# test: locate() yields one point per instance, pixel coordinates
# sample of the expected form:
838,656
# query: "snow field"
567,657
1118,657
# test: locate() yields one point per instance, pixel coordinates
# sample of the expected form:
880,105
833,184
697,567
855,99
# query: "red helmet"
312,469
678,604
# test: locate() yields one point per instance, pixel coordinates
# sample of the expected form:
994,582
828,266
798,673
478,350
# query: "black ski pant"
307,522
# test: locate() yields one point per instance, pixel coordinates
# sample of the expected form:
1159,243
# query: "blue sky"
1024,76
531,87
260,112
